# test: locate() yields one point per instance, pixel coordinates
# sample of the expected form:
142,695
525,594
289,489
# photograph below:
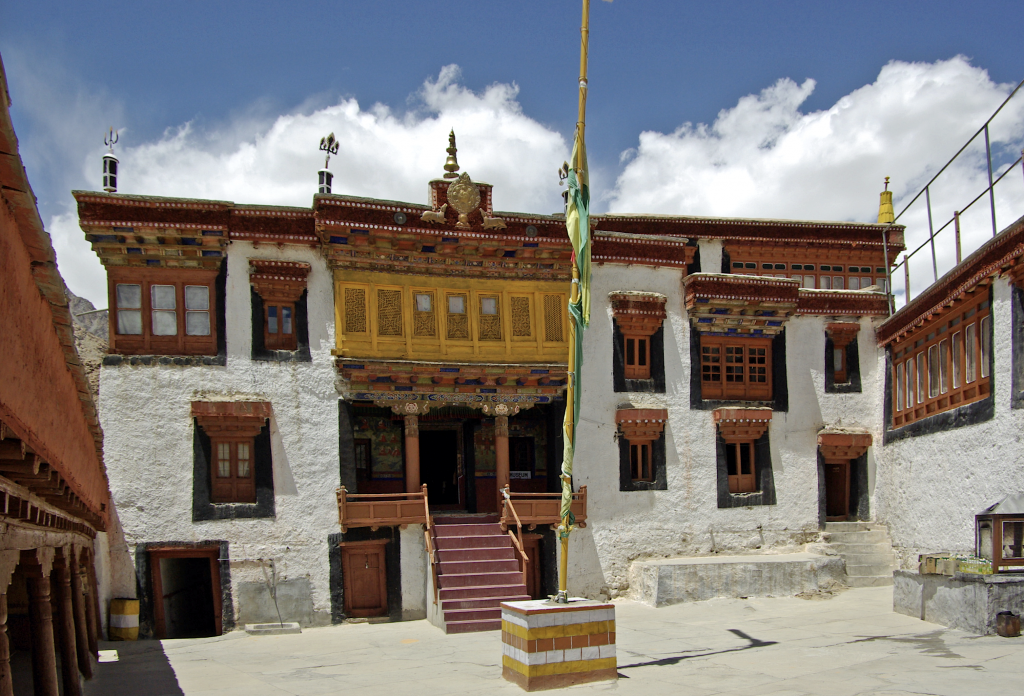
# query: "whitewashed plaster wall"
685,520
148,435
931,486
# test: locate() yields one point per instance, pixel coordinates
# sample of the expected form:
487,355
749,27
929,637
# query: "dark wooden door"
837,491
365,578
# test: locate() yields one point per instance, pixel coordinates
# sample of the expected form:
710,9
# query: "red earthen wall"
38,396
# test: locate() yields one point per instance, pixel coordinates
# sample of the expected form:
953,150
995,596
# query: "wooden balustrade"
534,509
516,542
377,510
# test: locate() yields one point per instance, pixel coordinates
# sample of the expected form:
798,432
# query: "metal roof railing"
955,219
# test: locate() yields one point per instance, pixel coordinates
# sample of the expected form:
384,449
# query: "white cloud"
382,155
764,158
760,158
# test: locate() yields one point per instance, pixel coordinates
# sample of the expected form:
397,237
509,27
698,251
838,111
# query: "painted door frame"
157,553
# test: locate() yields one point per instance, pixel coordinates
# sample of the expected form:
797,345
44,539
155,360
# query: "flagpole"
569,426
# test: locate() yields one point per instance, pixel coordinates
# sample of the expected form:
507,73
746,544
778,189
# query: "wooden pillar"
65,624
37,564
81,624
92,606
8,562
412,453
501,453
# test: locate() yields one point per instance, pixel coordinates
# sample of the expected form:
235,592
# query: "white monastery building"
354,409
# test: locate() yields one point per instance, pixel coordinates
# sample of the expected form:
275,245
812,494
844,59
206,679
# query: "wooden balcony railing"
543,508
377,510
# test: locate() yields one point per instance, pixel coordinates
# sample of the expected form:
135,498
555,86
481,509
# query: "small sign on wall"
520,475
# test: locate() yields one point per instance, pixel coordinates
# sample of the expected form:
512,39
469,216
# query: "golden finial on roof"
885,211
451,165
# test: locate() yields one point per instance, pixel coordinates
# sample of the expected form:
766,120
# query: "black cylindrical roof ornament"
330,146
110,163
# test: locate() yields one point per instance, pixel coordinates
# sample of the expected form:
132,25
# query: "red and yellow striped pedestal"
548,646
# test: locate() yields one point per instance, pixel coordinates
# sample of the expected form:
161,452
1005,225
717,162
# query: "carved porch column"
8,562
37,564
411,410
412,453
81,623
65,623
501,453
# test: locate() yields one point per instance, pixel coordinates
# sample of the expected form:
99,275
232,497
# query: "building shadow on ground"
142,669
689,654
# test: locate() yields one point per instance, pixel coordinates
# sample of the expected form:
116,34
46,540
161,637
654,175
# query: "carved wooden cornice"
842,334
231,418
641,424
843,445
416,378
278,281
719,303
741,423
638,312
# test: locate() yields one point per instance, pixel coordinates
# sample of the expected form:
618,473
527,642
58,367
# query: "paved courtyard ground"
848,644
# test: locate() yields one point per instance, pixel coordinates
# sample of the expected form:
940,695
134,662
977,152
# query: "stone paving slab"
850,644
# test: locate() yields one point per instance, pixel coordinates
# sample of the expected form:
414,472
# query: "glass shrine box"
999,534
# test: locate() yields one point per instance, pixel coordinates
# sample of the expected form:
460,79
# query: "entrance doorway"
441,468
186,592
837,490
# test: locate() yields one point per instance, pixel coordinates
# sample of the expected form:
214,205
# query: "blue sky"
229,72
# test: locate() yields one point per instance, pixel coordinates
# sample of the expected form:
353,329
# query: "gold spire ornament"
451,165
886,214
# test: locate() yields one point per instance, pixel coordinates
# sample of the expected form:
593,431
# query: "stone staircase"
478,570
866,549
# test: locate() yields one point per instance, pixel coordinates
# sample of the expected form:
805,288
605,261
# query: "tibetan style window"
944,364
744,457
638,341
490,318
233,467
162,311
842,359
279,309
642,449
458,319
736,368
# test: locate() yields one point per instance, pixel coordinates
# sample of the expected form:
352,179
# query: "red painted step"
483,591
474,542
481,579
450,530
472,626
487,553
473,614
486,565
479,603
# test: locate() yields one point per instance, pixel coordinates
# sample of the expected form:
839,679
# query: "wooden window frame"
736,384
637,347
243,487
279,340
820,275
637,469
740,482
363,473
147,343
935,362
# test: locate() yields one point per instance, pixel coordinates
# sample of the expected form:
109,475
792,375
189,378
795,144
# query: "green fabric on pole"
577,223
